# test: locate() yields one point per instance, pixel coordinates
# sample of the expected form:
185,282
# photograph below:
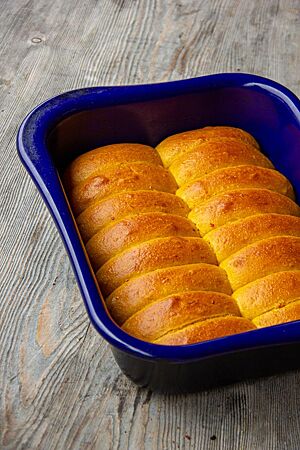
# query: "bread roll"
135,176
176,311
133,230
288,313
206,330
272,291
98,159
104,212
262,258
232,178
140,291
230,238
178,144
238,204
214,155
151,255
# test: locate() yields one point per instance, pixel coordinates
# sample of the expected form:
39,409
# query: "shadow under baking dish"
60,129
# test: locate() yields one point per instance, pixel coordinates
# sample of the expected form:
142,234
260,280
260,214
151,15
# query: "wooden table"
59,385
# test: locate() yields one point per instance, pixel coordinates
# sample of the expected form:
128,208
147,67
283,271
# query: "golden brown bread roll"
230,179
230,238
85,165
178,144
160,279
288,313
272,291
112,180
178,310
238,204
139,292
151,255
118,206
213,155
206,330
262,258
133,230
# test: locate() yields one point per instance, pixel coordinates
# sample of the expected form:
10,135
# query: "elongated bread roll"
230,238
139,292
230,179
178,144
202,244
151,255
93,161
116,207
178,310
206,330
112,180
287,313
134,230
213,155
238,204
262,258
272,291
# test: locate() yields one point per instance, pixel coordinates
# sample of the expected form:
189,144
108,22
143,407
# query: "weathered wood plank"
60,387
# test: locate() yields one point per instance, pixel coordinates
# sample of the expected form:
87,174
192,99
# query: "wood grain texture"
59,385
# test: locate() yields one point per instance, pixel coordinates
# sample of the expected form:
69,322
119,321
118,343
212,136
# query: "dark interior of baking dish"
151,121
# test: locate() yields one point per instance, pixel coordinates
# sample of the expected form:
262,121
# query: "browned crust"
176,311
213,155
276,254
273,291
206,330
151,255
145,289
85,165
134,230
230,238
235,205
178,144
232,178
277,316
121,205
120,178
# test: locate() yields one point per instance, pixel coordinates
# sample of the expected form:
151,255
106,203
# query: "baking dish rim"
33,152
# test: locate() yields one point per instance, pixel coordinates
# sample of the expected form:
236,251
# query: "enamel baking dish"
60,129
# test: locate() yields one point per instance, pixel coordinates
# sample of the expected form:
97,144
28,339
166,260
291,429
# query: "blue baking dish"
60,129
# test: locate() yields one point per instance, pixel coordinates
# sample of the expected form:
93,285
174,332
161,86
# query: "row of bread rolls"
160,279
244,210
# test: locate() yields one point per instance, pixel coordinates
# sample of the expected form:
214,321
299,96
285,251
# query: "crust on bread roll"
230,238
232,178
134,230
151,255
276,254
85,165
235,205
176,311
273,291
214,155
145,289
207,330
288,313
122,178
178,144
118,206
